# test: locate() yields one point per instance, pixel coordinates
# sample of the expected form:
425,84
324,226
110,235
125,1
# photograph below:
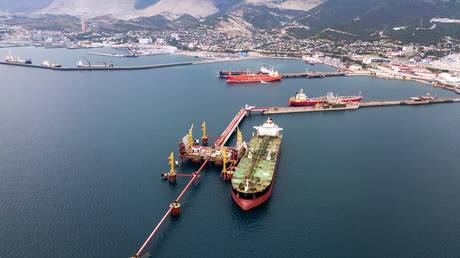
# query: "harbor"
227,129
228,157
265,75
112,159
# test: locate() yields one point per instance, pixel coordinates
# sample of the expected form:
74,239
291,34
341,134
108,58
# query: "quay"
288,110
121,68
312,75
99,68
355,106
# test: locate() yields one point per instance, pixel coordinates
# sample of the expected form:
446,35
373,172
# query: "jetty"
355,106
99,68
120,68
312,75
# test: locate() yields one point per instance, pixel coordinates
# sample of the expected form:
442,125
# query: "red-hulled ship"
300,99
255,77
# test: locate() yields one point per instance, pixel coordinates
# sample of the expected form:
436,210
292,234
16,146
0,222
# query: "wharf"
99,68
380,103
122,68
312,75
288,110
353,106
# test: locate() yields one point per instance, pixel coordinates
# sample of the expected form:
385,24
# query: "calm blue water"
81,155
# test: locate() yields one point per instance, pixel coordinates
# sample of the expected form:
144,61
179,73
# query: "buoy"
175,209
172,178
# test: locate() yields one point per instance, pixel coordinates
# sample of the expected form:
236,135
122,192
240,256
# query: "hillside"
407,20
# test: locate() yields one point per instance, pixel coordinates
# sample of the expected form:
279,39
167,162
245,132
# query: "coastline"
211,57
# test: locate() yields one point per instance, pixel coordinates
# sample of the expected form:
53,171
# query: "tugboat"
252,182
300,99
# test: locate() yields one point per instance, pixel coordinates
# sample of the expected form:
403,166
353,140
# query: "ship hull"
252,79
247,204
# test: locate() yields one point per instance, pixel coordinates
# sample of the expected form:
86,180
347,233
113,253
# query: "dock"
288,110
121,68
99,68
355,106
312,75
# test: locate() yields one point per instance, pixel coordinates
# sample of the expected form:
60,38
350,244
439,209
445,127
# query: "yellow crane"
172,165
204,138
172,169
239,137
224,160
190,137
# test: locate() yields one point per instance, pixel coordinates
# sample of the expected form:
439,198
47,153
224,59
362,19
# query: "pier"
312,75
99,68
225,136
355,106
174,207
122,68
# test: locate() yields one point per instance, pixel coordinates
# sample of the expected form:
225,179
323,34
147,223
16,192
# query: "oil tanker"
254,78
263,70
300,99
252,182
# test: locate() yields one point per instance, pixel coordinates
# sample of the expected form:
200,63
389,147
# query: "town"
435,64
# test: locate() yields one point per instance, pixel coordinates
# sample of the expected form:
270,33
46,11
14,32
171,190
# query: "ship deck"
258,165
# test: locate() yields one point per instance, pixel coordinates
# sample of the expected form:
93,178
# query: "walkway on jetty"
312,75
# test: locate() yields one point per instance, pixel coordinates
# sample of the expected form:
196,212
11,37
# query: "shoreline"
208,58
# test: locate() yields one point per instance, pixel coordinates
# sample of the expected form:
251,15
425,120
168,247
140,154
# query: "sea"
81,155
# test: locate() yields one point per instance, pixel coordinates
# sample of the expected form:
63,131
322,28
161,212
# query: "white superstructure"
268,129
